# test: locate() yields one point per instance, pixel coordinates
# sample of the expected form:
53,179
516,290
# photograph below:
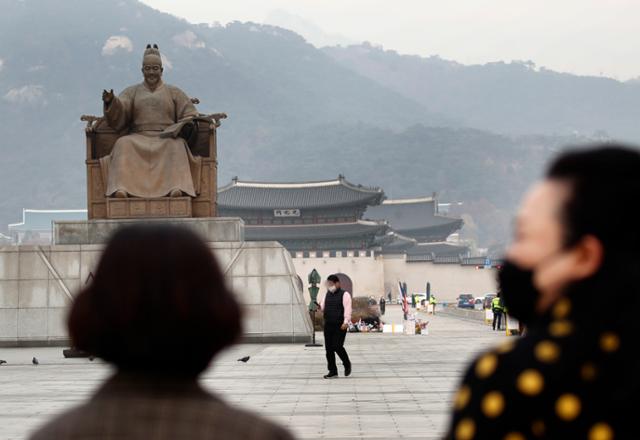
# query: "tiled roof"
415,218
330,193
317,231
441,249
394,243
408,214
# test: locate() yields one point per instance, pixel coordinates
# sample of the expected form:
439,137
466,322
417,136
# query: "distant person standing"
497,308
336,308
383,305
432,302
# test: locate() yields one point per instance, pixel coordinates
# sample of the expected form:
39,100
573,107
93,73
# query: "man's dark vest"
333,307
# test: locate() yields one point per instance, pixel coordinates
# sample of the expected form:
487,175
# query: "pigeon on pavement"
244,359
34,361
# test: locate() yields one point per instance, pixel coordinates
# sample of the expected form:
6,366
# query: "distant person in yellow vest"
433,301
498,309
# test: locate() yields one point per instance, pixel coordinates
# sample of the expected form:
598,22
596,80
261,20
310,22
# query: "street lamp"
314,280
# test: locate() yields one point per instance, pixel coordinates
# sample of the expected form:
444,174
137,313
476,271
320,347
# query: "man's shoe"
330,375
347,370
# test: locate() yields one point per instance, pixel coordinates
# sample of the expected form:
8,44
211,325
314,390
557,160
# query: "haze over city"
319,219
584,37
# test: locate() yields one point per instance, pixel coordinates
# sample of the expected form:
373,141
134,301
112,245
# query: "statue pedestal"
38,283
134,207
212,229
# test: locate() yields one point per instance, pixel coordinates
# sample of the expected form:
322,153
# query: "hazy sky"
580,36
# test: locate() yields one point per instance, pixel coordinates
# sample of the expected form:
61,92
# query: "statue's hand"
107,96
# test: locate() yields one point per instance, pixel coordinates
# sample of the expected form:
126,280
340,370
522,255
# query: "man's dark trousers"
334,344
497,316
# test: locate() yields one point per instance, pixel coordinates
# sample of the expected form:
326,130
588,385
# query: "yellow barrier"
513,326
488,316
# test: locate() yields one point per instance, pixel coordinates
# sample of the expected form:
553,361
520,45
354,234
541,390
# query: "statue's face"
152,73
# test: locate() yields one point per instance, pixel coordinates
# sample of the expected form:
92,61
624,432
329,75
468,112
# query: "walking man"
383,305
497,308
336,308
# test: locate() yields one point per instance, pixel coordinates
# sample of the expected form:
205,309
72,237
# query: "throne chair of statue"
100,139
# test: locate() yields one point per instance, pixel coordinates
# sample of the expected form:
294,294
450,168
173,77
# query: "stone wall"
472,315
380,274
264,278
366,273
37,285
33,301
447,280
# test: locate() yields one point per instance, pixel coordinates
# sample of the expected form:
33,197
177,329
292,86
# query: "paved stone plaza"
401,386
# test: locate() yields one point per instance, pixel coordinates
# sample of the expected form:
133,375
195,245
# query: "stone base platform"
218,229
38,283
134,207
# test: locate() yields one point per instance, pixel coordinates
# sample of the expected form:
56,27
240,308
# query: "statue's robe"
150,161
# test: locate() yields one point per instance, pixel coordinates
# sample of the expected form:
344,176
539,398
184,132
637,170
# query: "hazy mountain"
57,56
311,32
487,172
295,112
513,98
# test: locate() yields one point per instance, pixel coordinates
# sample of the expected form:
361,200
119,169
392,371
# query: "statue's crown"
151,55
152,50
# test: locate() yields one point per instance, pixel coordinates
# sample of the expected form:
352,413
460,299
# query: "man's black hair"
604,183
605,186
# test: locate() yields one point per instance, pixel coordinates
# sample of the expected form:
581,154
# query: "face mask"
518,292
331,289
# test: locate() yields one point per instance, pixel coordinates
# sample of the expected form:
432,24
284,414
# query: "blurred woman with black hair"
158,311
572,277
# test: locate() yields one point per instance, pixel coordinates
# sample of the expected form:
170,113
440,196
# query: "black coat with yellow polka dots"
575,375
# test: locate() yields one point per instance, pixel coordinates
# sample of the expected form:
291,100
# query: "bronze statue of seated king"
152,154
